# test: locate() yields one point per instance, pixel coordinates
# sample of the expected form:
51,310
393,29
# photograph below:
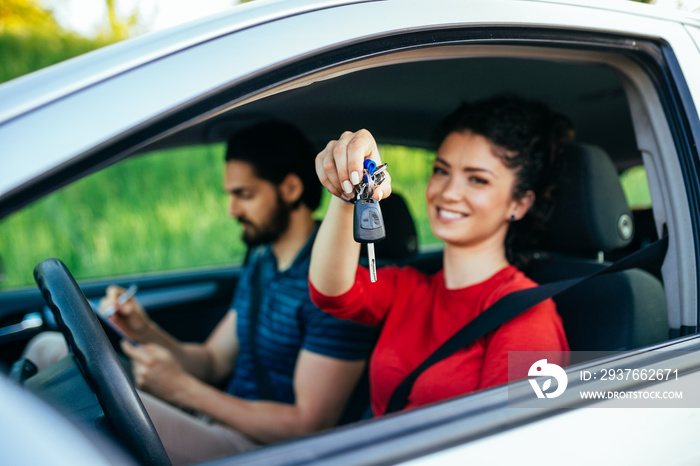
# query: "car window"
636,187
161,211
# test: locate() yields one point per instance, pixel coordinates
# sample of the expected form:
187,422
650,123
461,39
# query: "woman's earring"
512,217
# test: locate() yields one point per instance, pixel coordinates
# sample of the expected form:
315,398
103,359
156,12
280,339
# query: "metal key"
368,228
368,223
373,177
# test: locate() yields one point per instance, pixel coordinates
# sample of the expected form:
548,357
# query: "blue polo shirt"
287,323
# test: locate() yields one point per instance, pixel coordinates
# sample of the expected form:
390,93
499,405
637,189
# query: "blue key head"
370,165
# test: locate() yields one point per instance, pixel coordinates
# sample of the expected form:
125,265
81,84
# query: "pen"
123,298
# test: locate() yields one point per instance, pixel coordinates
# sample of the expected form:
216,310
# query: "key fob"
368,223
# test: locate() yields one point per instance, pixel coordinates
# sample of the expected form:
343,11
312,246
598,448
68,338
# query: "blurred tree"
23,16
120,28
31,38
691,6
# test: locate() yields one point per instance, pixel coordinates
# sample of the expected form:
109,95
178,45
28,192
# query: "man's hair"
275,149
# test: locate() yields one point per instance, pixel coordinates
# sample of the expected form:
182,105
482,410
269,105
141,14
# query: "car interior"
400,98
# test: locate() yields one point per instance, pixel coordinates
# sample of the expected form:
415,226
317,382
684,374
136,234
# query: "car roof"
31,91
406,111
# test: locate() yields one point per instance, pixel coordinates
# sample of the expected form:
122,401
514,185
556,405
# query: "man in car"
295,369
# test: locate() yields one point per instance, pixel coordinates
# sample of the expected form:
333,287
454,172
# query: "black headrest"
401,240
591,212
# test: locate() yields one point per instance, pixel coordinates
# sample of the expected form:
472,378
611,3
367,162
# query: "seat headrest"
401,240
590,212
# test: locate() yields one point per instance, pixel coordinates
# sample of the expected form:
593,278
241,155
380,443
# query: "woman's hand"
340,165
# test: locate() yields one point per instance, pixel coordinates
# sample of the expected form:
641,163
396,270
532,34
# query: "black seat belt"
516,303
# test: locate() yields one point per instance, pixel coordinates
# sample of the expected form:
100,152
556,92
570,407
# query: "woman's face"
469,194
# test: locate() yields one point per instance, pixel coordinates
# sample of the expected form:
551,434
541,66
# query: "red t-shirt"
417,314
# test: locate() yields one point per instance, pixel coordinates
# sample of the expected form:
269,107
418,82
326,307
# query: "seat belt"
516,303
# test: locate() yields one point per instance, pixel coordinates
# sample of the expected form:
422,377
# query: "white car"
626,74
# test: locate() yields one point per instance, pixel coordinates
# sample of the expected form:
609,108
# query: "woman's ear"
522,205
291,188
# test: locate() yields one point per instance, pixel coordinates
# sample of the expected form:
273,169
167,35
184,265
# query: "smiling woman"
495,164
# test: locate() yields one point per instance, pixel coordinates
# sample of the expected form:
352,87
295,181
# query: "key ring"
369,187
372,177
365,189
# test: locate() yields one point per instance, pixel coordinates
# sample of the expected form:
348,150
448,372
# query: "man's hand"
129,316
157,371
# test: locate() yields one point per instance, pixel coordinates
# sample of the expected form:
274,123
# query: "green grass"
165,211
24,53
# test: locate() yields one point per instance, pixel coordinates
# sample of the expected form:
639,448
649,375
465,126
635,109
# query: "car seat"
591,218
401,240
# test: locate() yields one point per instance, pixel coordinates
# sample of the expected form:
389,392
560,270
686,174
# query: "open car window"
158,212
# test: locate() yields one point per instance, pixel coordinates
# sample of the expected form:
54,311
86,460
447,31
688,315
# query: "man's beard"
271,228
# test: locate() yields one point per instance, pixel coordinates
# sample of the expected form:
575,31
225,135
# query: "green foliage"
164,211
118,28
31,38
22,15
24,53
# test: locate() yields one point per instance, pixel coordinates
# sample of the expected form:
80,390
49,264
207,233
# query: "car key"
368,222
368,228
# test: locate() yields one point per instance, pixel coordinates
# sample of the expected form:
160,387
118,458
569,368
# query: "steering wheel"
98,362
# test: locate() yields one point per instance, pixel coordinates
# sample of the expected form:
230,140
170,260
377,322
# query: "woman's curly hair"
527,136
